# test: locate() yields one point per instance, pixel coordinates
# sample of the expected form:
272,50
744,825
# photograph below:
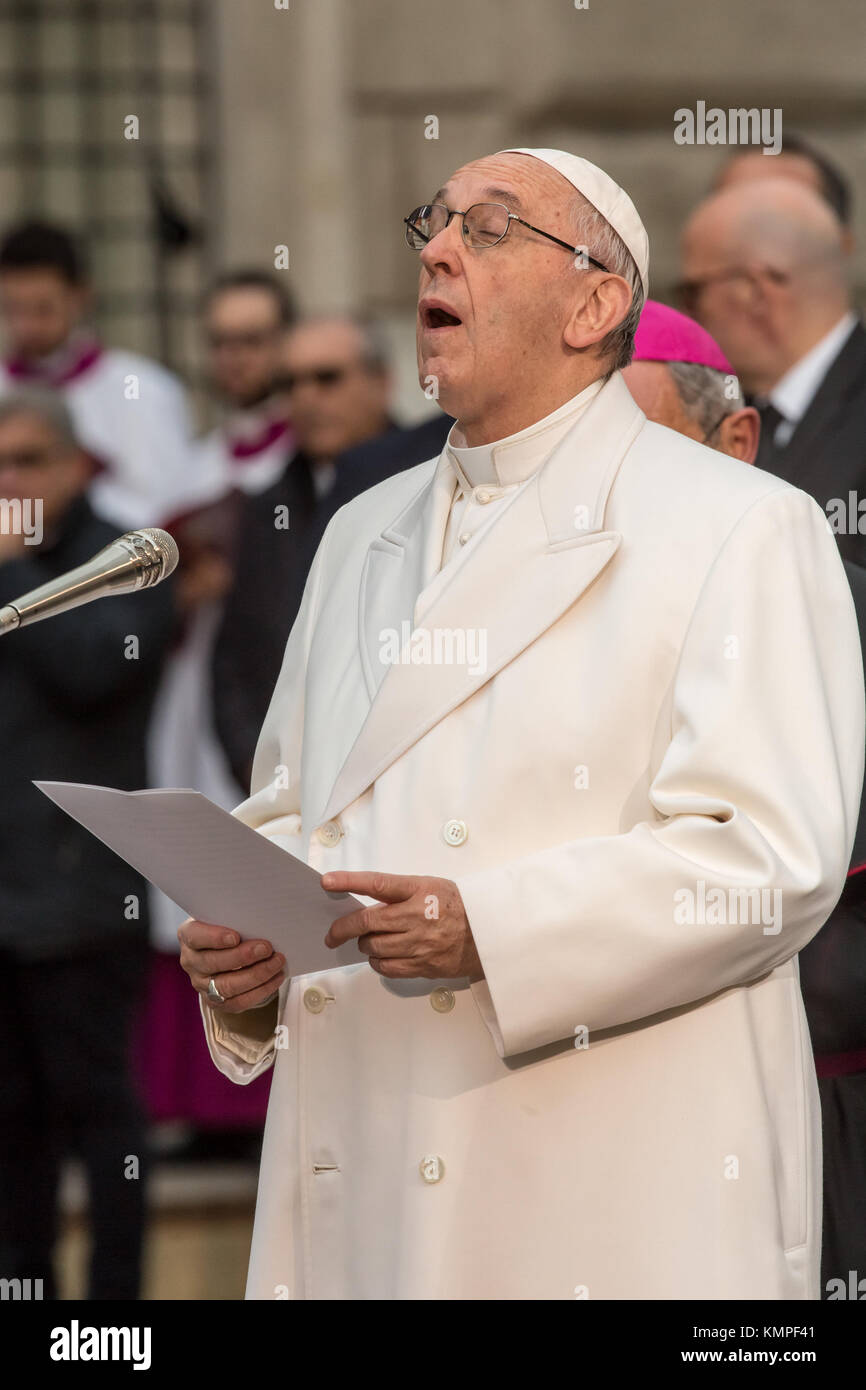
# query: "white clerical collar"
512,460
793,393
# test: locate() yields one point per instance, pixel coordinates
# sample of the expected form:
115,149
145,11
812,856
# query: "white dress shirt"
794,392
324,477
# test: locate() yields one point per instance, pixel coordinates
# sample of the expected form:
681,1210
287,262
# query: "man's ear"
604,304
739,434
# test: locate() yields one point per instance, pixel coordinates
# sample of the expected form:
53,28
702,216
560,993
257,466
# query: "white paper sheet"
216,868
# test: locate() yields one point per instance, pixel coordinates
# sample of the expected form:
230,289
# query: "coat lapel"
523,572
803,462
399,566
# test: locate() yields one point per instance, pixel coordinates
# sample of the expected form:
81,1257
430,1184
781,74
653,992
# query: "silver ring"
213,993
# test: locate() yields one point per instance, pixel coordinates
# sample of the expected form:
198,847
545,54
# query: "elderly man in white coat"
577,708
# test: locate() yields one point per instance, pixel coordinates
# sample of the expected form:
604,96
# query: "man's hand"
246,973
420,931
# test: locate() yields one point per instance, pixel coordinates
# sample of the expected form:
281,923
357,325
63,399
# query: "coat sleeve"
757,788
243,1045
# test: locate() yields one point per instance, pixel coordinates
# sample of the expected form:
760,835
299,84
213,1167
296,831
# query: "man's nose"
444,248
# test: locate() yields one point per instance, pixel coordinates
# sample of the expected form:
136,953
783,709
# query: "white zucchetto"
606,196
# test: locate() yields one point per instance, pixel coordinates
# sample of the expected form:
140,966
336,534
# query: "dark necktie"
770,418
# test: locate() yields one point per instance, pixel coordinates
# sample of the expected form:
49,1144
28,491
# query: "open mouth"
435,317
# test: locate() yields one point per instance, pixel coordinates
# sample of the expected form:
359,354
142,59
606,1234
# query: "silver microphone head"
155,546
136,560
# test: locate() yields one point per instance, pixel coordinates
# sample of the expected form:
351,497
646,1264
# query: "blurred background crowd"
206,305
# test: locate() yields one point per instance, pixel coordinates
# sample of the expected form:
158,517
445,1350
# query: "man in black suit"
766,272
765,265
363,467
75,697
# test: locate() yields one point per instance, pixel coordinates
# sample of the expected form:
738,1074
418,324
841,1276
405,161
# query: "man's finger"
251,999
238,983
363,921
396,968
219,962
399,944
205,936
387,888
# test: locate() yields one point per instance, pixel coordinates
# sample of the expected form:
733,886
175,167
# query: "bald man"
765,272
801,161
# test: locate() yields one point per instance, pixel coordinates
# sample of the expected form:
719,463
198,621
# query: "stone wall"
323,113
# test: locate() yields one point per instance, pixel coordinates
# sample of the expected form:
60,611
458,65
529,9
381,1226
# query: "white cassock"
647,798
250,450
132,415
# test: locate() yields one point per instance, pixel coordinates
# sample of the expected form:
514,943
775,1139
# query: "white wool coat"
647,799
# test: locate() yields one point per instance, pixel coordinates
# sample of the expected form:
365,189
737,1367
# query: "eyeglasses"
325,377
688,292
482,225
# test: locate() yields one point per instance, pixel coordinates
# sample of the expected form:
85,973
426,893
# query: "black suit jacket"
826,455
73,708
272,570
833,965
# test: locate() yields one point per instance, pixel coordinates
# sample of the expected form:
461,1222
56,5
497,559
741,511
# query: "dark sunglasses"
325,377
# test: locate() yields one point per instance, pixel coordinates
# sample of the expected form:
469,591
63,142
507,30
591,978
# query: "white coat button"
329,834
431,1168
483,495
315,999
442,1000
466,537
454,832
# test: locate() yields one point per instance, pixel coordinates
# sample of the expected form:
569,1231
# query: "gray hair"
46,405
593,231
707,395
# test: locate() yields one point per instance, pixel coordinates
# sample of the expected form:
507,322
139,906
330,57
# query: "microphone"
136,560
